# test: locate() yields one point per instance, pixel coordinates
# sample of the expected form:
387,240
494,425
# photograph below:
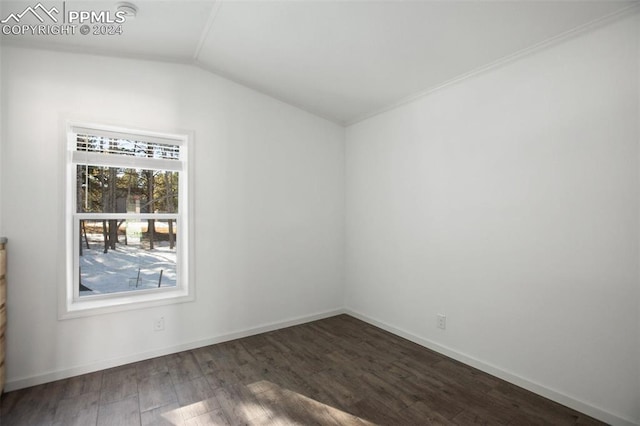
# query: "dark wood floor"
334,371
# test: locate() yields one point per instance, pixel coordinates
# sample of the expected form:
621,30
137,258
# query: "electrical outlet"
441,321
158,324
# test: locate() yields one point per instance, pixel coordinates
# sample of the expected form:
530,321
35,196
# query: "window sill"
96,306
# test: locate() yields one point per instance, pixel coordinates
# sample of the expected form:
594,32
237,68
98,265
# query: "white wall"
269,208
509,202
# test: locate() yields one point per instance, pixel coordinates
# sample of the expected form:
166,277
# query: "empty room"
319,212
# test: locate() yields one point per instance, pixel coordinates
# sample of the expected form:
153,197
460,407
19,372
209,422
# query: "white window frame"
71,304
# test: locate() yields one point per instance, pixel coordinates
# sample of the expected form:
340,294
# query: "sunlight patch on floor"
273,405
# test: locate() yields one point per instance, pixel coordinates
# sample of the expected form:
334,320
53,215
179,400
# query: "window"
127,221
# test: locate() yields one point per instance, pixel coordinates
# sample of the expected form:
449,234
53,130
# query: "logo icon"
34,11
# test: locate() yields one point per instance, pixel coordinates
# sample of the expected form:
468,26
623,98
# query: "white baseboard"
15,384
536,388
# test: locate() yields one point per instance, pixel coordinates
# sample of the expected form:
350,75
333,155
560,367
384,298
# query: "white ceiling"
343,60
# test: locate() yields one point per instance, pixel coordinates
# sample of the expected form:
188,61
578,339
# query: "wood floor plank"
466,376
438,401
156,391
78,410
278,341
196,397
125,412
371,411
239,353
288,407
335,389
295,381
244,374
167,415
280,404
427,415
212,418
150,367
193,391
473,418
80,385
268,355
239,404
183,367
204,357
378,391
32,406
532,407
118,384
335,371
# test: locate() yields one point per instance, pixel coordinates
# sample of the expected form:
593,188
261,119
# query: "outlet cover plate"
441,321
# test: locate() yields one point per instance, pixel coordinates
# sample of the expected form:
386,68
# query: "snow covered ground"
129,267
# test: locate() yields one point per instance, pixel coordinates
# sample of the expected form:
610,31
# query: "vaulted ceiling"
343,60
